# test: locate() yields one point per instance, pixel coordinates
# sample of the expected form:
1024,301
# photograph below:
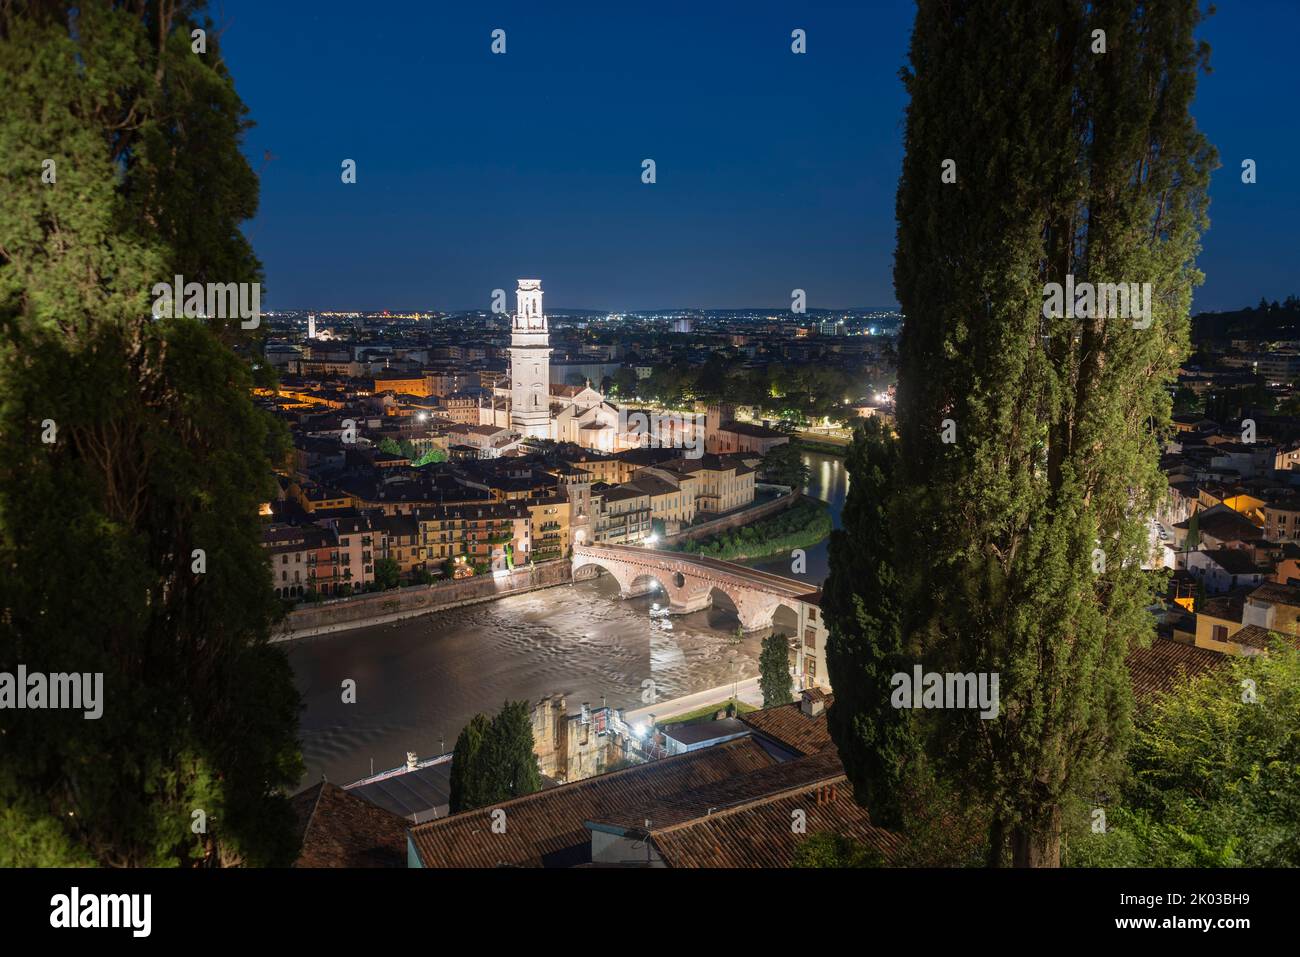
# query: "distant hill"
1272,321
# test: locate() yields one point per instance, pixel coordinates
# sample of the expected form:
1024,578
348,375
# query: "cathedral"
527,402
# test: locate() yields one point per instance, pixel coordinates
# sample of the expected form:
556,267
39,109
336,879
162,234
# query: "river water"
419,681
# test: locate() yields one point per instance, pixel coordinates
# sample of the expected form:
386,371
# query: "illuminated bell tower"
530,364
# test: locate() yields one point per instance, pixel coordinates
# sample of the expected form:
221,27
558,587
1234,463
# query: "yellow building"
317,498
725,482
400,541
411,384
549,527
672,496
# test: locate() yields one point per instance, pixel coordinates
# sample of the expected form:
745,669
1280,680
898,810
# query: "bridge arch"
691,581
644,583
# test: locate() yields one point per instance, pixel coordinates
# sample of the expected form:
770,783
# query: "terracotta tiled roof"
1276,594
341,830
758,833
1228,607
1156,670
547,828
1253,636
734,792
788,726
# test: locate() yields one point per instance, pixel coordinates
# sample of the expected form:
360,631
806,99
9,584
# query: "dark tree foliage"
494,759
865,646
1074,162
828,849
514,771
784,465
157,452
467,778
774,670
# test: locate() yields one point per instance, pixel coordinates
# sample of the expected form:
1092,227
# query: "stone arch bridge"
689,582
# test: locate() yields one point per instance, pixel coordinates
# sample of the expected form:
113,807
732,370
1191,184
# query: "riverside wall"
344,614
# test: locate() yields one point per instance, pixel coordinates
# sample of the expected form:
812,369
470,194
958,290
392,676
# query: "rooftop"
339,829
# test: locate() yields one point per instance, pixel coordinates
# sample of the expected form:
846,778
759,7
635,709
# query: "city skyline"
474,168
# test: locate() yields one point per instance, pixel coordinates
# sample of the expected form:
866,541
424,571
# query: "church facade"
527,402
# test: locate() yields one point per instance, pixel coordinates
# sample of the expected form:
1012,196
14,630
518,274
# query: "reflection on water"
828,480
419,681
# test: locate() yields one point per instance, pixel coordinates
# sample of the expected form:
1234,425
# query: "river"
419,681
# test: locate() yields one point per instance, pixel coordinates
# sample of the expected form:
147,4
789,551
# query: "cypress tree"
467,785
128,444
1029,439
511,762
864,647
774,670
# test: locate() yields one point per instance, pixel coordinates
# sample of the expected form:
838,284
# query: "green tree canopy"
494,759
784,465
774,670
1213,775
829,849
468,780
145,497
1029,437
865,645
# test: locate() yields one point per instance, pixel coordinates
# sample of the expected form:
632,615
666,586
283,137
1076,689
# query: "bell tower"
530,364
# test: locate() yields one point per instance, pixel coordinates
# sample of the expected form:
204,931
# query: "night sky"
775,170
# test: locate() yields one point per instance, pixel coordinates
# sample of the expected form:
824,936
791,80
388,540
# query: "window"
1220,633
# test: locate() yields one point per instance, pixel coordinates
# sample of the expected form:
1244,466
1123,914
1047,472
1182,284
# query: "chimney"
411,760
812,703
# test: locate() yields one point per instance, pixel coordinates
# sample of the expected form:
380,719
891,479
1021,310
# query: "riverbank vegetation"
708,713
800,526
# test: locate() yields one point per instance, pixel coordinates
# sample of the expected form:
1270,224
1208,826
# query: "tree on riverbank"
468,778
493,760
774,670
784,465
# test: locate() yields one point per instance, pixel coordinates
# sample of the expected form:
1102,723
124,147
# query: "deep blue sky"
775,171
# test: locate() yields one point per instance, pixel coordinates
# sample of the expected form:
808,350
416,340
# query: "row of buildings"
339,512
1229,526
